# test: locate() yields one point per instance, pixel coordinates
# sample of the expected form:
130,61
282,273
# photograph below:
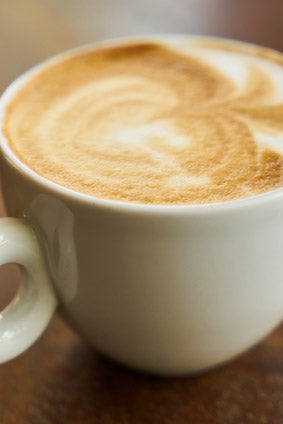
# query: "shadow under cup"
168,290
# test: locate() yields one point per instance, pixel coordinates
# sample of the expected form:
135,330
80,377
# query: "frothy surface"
163,121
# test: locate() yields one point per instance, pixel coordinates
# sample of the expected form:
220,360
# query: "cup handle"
29,312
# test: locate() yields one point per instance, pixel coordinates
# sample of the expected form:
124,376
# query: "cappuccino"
162,121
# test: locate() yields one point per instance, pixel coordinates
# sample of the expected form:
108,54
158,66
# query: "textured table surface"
60,379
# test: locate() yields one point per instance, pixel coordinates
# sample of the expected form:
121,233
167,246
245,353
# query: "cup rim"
101,203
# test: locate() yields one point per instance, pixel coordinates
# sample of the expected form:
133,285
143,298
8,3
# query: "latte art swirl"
165,121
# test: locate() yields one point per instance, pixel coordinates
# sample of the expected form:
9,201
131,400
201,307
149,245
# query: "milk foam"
165,121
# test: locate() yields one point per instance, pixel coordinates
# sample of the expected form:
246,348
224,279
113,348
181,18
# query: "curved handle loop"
28,314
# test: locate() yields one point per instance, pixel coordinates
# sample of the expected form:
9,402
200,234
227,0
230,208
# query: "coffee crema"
164,121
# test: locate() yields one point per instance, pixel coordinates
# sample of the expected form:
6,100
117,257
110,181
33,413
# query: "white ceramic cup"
169,290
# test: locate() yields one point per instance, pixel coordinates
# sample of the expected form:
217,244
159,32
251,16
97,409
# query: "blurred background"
31,30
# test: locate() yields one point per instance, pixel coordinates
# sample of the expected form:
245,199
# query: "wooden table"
60,380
